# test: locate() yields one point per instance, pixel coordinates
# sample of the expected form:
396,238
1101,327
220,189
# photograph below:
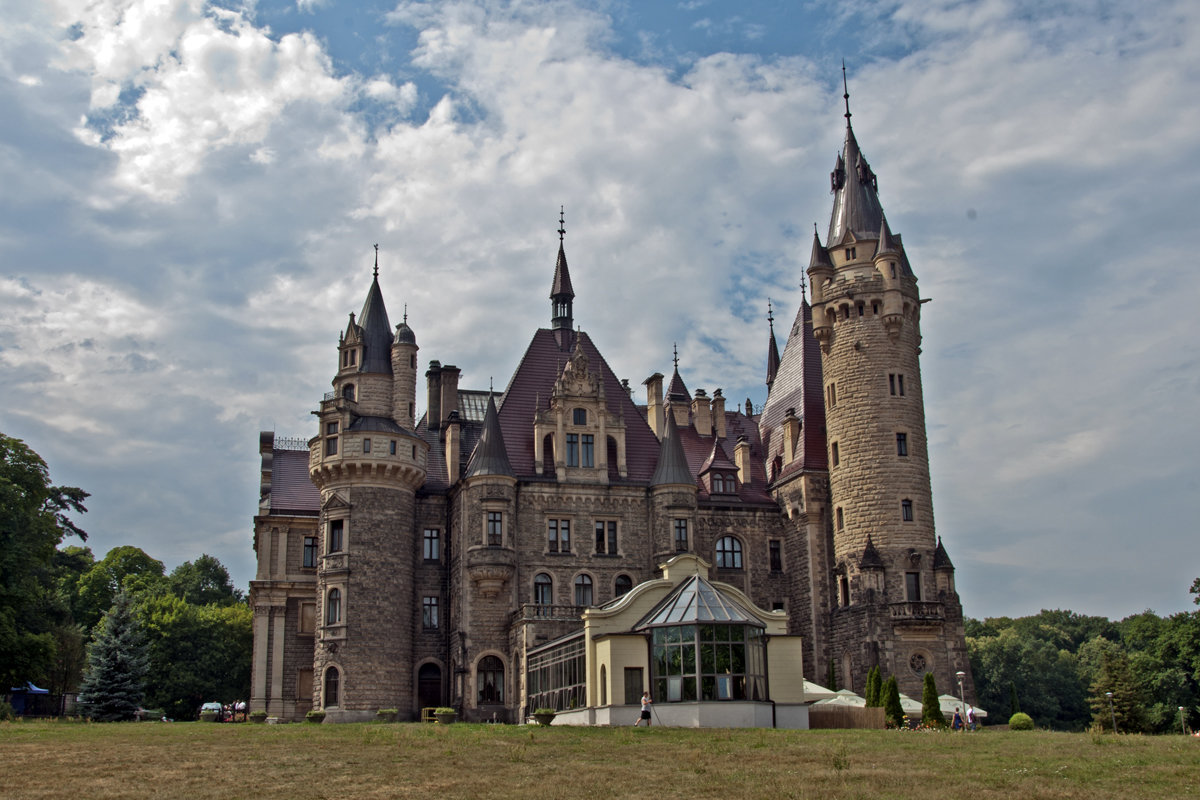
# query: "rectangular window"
901,444
495,528
896,384
681,535
832,395
431,547
331,430
606,537
572,449
579,416
588,451
906,510
392,447
558,536
366,445
841,519
834,448
891,383
912,583
776,550
310,551
900,384
308,617
336,527
429,613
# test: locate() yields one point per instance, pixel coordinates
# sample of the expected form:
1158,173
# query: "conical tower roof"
820,255
941,559
490,456
376,332
856,210
772,349
672,465
870,558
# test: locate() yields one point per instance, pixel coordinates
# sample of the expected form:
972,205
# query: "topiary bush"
315,716
1020,721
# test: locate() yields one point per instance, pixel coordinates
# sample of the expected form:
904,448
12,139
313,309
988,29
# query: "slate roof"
488,456
533,381
672,465
376,332
797,385
856,208
562,276
291,490
870,558
941,559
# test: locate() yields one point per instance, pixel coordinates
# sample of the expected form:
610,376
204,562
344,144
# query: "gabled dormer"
719,474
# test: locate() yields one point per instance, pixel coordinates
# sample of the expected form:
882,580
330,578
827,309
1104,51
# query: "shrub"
1020,721
445,710
6,712
314,716
537,711
258,716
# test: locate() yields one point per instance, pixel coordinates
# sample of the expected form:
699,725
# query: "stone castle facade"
409,563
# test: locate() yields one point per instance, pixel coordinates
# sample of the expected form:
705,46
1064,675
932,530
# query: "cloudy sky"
191,192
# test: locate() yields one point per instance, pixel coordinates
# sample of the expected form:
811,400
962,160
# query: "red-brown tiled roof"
534,379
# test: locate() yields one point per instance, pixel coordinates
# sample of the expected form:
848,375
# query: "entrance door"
429,686
633,686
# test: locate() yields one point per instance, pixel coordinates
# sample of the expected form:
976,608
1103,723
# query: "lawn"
201,760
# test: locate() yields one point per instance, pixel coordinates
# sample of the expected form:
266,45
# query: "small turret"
562,295
404,375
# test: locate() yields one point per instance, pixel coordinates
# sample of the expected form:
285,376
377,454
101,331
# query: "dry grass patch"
197,760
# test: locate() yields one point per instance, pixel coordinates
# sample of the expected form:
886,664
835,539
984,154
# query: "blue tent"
21,695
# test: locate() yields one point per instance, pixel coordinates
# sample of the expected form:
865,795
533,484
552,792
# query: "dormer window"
579,416
850,254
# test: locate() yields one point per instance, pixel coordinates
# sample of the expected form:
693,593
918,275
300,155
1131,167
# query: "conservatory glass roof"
697,601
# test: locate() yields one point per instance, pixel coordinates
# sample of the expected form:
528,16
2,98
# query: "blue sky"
192,192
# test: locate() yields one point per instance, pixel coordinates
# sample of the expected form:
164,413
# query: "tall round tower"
367,464
894,602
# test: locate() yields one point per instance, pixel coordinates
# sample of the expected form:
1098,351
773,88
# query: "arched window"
543,590
490,680
622,586
583,590
332,679
333,607
729,553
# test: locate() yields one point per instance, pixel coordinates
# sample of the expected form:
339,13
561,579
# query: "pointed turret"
377,331
772,349
490,456
562,295
887,244
820,256
672,465
870,558
856,210
941,559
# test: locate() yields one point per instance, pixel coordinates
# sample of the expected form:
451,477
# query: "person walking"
645,715
957,723
970,718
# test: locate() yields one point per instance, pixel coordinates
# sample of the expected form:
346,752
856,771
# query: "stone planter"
258,717
315,717
444,718
208,716
544,719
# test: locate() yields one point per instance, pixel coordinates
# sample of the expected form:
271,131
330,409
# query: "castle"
410,563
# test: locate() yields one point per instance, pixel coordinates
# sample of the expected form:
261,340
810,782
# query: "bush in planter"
208,716
387,715
445,715
258,716
314,716
544,716
1020,721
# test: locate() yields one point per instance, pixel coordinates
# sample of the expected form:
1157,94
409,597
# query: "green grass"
198,760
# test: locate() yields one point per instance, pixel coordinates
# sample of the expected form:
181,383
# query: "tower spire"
377,261
562,295
846,93
772,348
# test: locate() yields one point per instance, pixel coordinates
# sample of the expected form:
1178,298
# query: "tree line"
69,620
1058,667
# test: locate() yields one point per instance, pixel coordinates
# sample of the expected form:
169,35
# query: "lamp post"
962,696
1182,726
1111,711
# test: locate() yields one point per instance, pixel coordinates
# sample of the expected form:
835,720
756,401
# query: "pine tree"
117,663
931,707
1128,705
892,710
872,695
831,678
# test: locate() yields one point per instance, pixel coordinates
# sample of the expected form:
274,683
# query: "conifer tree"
1128,705
117,663
931,707
872,694
892,710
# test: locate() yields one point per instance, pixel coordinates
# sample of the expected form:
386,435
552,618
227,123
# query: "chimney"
718,413
654,403
433,408
453,427
741,457
791,435
449,390
702,413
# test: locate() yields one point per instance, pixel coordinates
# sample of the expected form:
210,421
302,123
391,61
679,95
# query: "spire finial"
675,346
406,313
376,260
803,288
770,316
845,93
491,385
562,228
